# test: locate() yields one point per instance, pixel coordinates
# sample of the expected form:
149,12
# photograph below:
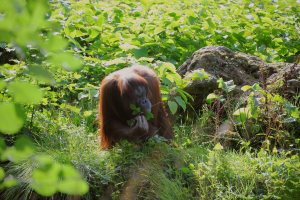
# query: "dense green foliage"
54,55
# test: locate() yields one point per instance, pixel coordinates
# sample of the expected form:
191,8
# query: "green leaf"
174,77
94,31
144,2
73,186
73,108
158,30
141,52
72,17
166,65
45,179
55,43
2,145
93,93
149,115
25,92
253,104
2,85
292,110
67,60
115,61
173,106
246,87
127,46
110,69
249,17
132,107
191,166
135,112
256,87
218,146
87,113
71,38
22,148
242,114
82,95
187,94
278,98
227,86
192,20
211,97
9,181
25,145
181,92
72,182
278,40
185,169
2,173
100,20
200,75
289,120
211,24
12,117
42,74
267,20
146,59
205,2
181,102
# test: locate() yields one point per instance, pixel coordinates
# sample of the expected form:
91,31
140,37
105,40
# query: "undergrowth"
189,170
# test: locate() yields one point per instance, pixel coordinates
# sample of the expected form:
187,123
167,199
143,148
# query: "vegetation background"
54,54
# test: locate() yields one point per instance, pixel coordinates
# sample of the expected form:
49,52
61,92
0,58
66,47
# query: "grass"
181,170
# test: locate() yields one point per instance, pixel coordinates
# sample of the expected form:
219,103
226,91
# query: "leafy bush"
61,50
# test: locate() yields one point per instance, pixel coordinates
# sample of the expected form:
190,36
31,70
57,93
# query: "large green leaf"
12,117
67,61
173,106
181,102
41,74
22,148
141,52
24,92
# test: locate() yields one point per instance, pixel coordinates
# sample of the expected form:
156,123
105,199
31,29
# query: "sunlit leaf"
2,85
24,92
218,146
211,97
249,17
200,75
242,114
42,74
185,169
115,61
12,117
246,87
2,145
93,93
173,106
22,148
8,182
144,2
2,173
110,69
181,102
82,95
211,24
141,52
67,61
158,30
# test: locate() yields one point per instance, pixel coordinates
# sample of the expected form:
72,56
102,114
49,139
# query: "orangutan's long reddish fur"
114,110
